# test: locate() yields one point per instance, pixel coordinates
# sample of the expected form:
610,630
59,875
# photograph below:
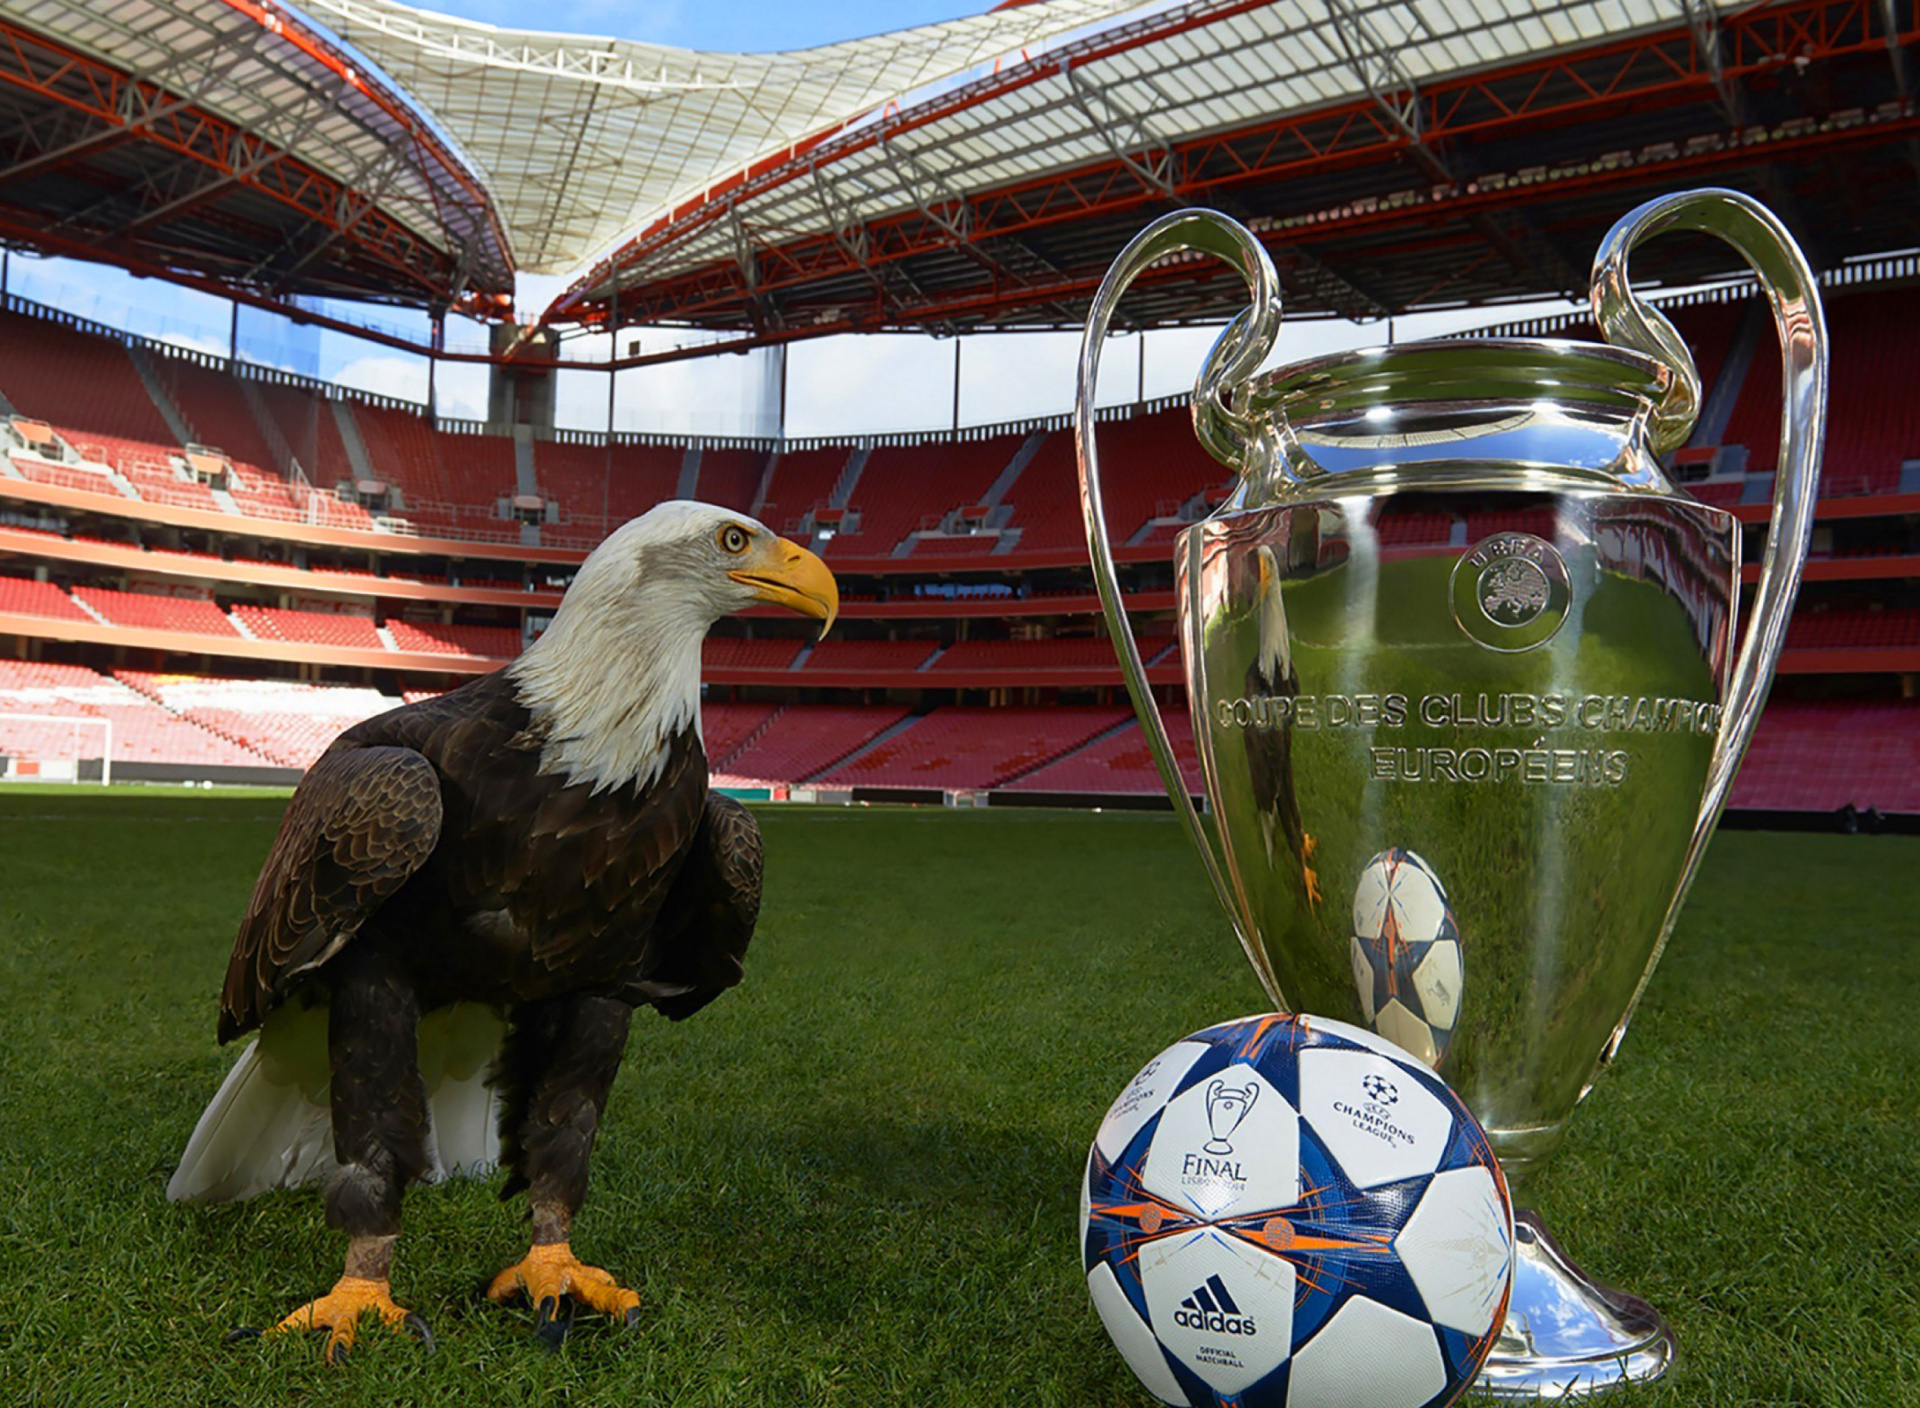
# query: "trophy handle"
1229,434
1794,295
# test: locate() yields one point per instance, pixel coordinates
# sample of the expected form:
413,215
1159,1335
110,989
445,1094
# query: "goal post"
53,747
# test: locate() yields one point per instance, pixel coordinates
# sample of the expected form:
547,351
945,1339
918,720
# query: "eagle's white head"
617,674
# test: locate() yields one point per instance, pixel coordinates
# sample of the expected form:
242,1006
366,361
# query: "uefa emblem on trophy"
1461,780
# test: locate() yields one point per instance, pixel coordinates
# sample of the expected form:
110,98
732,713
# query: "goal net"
56,748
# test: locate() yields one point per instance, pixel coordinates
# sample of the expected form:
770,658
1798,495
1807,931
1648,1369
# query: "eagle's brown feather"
360,824
434,832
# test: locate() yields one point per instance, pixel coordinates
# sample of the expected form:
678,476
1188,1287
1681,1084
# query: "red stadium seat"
801,741
23,596
971,748
446,638
310,627
1119,763
158,613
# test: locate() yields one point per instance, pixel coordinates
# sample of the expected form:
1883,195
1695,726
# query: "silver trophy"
1465,691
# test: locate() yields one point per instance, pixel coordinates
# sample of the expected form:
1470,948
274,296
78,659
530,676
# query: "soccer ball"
1408,966
1288,1212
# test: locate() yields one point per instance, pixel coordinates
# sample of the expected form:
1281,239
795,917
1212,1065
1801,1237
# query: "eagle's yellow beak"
792,577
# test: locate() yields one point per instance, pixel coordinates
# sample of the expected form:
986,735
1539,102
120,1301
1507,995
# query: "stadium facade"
226,563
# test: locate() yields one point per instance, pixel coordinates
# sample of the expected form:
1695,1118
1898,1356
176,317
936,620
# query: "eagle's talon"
1308,845
416,1325
633,1317
550,1325
551,1274
338,1313
1312,879
240,1334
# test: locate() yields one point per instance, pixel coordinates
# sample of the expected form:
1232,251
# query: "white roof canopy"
581,138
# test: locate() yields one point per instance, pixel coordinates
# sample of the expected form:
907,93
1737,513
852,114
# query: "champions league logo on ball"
1226,1107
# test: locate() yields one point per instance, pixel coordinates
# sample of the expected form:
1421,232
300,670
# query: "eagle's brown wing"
699,945
361,821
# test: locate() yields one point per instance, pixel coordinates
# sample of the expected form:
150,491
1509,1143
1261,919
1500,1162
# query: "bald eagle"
1270,750
467,899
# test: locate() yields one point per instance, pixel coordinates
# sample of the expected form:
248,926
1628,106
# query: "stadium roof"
1395,154
581,138
225,140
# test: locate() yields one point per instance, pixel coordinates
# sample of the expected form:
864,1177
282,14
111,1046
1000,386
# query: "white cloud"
386,375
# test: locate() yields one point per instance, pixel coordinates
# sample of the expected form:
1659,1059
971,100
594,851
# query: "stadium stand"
802,481
800,742
452,484
1013,656
75,379
961,747
1854,628
143,732
478,471
286,722
891,655
1822,756
956,545
306,422
725,727
25,597
597,490
445,638
740,653
312,627
1119,763
1150,467
731,478
906,489
155,613
1873,423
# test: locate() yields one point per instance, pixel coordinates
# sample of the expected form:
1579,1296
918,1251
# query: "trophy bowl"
1466,693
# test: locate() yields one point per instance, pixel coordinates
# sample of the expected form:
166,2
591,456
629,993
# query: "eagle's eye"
734,539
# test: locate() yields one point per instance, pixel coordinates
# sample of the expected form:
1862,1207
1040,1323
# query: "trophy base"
1566,1335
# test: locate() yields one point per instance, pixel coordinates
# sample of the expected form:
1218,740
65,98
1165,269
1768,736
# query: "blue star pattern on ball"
1286,1211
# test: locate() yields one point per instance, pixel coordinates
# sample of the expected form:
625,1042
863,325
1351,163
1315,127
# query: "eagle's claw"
338,1313
557,1282
552,1321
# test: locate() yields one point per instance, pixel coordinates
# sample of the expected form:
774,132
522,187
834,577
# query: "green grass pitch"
854,1180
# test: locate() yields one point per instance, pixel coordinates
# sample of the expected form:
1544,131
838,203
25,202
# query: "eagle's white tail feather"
458,1046
269,1125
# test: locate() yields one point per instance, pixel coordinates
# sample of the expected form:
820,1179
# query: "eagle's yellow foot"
338,1312
1310,878
554,1280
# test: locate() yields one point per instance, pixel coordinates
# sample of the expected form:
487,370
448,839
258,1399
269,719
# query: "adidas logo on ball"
1211,1308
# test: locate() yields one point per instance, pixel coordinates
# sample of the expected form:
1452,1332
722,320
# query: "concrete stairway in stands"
849,479
284,459
150,378
356,448
1022,457
865,748
524,479
688,484
1718,400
